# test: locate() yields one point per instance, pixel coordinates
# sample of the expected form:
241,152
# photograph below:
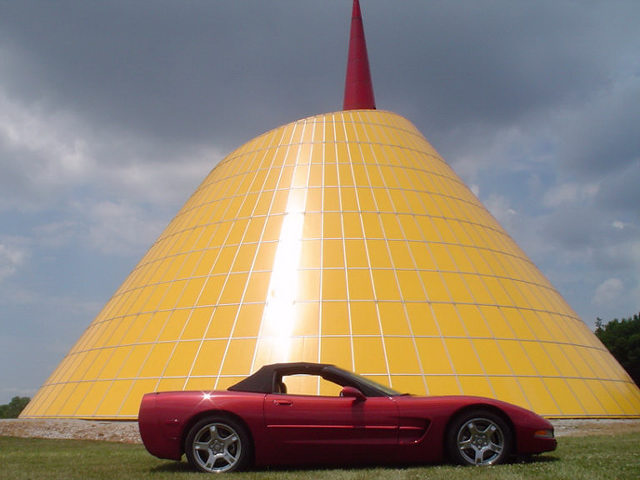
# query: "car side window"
307,385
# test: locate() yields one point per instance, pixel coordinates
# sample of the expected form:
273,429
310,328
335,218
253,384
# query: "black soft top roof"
266,379
263,381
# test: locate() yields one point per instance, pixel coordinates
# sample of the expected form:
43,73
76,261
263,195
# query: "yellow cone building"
341,238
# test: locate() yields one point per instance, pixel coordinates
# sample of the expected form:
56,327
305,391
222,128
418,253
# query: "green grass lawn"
600,457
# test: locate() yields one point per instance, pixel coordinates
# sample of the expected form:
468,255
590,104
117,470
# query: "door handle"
283,402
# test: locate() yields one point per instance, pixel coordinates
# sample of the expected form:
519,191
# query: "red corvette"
257,422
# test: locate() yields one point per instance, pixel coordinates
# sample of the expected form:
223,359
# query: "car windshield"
360,379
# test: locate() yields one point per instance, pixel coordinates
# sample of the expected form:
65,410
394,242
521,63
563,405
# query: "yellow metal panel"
474,323
312,225
211,290
491,357
349,199
378,254
561,361
536,322
517,358
157,360
435,359
332,225
222,322
410,227
605,398
568,399
236,361
540,358
98,401
308,285
422,320
334,285
457,287
587,398
464,356
360,287
422,256
197,323
307,323
71,403
577,360
538,395
392,319
509,390
478,386
131,405
181,359
402,355
136,329
314,196
233,288
336,350
97,364
264,258
385,285
409,384
625,395
84,362
332,253
111,369
356,253
244,258
335,318
436,290
449,320
191,293
170,384
369,355
498,293
400,255
174,325
208,357
461,259
383,204
518,324
272,228
352,225
410,286
445,385
364,318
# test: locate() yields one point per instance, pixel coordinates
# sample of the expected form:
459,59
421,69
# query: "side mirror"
354,393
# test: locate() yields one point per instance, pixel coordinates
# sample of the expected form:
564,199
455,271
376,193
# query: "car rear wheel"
479,437
218,444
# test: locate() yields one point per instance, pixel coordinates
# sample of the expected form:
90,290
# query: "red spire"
358,88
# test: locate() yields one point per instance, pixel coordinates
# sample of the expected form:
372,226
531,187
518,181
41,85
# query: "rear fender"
212,413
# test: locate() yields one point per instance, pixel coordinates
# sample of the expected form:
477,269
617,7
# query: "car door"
307,428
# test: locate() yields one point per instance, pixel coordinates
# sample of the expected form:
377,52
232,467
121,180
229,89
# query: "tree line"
622,338
14,407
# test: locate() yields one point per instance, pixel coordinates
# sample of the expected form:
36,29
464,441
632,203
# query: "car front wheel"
479,437
218,444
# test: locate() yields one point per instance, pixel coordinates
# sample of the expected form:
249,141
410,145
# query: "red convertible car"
257,422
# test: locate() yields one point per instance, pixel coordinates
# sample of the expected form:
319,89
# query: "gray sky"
111,113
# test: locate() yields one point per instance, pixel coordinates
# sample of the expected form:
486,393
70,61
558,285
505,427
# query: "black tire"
218,444
479,437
